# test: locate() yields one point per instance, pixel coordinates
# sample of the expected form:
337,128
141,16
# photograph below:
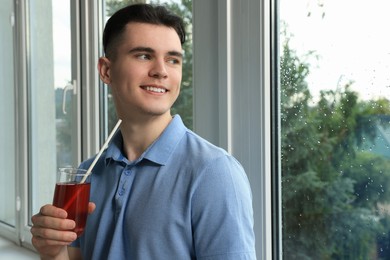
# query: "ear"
104,70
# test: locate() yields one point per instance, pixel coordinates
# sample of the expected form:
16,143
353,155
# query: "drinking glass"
72,194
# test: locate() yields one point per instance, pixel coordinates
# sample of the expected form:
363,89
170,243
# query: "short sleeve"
222,214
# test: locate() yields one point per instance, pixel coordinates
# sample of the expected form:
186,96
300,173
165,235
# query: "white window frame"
85,45
232,94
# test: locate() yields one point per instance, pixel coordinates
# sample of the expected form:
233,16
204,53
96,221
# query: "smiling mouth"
154,89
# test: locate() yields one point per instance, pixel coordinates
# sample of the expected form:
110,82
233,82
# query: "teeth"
154,89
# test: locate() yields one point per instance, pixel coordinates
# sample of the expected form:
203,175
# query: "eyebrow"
150,50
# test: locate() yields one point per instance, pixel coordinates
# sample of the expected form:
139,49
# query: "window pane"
335,118
183,105
49,72
7,115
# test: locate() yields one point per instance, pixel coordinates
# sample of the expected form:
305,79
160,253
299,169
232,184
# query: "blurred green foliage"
334,189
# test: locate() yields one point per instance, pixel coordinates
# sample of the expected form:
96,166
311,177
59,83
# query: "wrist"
62,255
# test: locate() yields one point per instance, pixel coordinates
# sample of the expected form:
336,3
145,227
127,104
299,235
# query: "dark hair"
143,13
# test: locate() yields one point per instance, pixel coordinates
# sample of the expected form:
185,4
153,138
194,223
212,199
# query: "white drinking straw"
101,151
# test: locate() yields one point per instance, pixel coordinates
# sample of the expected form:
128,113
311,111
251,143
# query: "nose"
158,70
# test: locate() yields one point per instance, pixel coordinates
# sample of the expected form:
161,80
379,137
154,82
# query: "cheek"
176,77
125,76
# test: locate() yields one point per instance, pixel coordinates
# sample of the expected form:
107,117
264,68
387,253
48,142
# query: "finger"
42,221
42,244
53,236
50,210
91,207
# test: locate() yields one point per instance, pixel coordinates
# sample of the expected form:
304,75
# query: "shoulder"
216,170
207,157
201,148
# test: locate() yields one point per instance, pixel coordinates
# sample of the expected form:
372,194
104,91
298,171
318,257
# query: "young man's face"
145,74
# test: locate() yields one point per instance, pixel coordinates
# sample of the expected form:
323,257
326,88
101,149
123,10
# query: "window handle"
68,87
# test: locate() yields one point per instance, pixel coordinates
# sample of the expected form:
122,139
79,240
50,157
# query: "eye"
143,56
174,61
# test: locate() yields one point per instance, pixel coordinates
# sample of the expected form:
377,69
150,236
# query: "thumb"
91,207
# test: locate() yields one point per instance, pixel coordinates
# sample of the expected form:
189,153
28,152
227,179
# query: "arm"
222,212
74,253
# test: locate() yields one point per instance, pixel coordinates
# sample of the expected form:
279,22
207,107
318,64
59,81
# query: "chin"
158,113
157,110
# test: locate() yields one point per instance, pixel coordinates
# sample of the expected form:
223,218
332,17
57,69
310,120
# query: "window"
52,106
335,118
232,90
7,115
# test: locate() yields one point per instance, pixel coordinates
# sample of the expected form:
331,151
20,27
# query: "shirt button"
127,173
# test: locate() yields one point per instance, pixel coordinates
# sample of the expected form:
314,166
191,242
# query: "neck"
138,135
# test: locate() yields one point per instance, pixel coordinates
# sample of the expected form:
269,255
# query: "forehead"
151,35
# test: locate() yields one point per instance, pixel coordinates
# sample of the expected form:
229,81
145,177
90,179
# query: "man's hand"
52,232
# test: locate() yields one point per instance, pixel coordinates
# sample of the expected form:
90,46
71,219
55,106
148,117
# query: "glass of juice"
72,194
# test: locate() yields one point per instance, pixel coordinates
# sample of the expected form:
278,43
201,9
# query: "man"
159,191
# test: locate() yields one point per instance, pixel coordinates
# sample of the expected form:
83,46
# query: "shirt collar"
159,151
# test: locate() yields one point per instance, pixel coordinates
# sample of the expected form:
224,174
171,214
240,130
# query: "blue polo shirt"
184,198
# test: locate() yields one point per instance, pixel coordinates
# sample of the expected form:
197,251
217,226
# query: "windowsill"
9,250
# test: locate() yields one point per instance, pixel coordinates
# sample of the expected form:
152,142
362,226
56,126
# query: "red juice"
73,198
